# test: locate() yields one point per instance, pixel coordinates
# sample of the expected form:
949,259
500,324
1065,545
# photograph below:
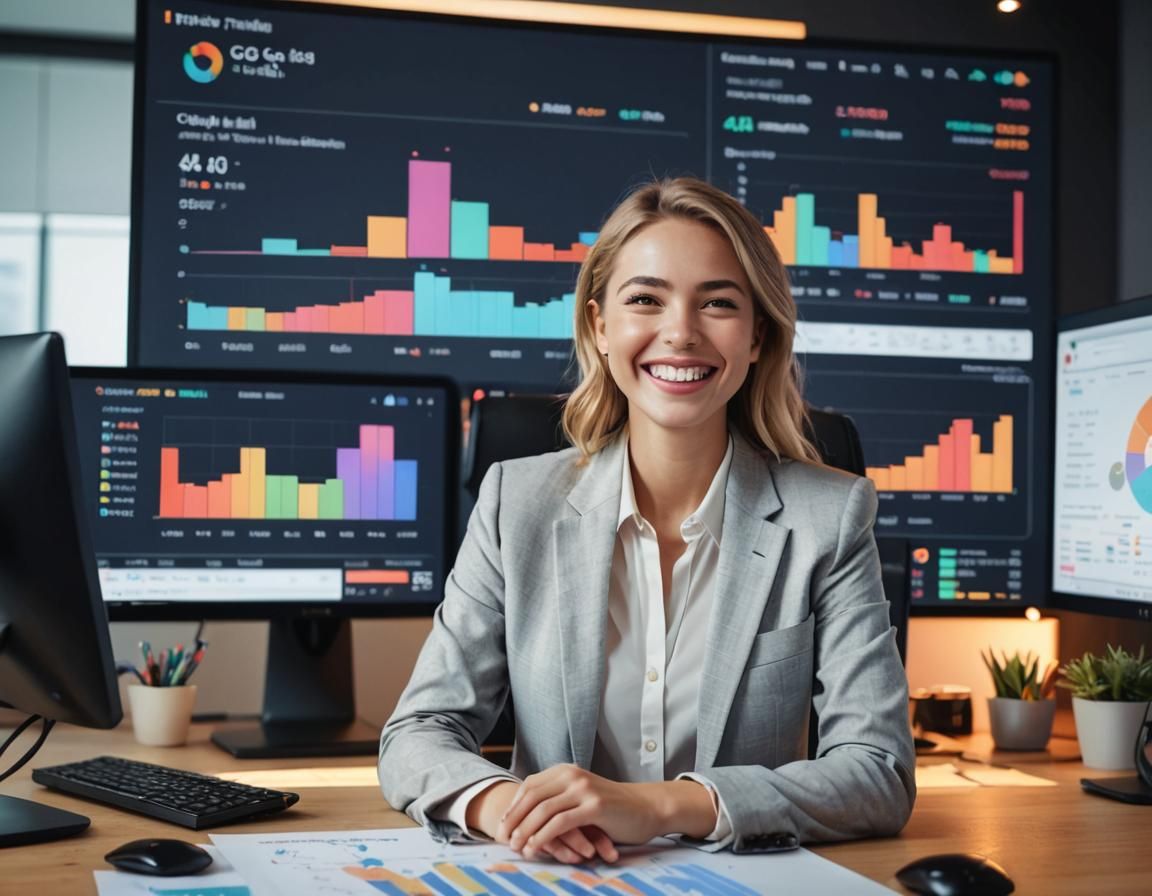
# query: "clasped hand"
574,815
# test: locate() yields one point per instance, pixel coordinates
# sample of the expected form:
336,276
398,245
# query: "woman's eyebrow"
709,285
645,281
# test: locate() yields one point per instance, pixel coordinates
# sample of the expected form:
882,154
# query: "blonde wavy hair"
768,410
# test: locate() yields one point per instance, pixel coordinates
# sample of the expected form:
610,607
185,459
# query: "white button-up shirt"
654,652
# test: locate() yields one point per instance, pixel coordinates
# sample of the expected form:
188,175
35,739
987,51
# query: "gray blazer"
799,620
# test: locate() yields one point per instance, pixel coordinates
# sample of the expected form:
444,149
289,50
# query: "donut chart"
1138,459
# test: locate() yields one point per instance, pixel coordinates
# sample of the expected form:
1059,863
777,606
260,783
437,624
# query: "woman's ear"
593,310
759,332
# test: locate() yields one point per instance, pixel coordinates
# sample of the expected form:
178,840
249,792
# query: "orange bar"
539,252
274,321
902,258
866,225
237,318
387,237
257,483
1002,454
899,478
171,498
997,265
348,251
309,497
784,223
568,255
932,468
915,468
947,463
879,477
962,445
220,499
506,243
195,502
375,576
241,487
883,247
982,472
321,319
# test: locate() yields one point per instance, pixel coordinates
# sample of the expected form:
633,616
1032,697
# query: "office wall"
1094,265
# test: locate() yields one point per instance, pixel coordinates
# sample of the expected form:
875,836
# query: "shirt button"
653,675
650,746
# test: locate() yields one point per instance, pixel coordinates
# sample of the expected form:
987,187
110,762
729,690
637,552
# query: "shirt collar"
710,513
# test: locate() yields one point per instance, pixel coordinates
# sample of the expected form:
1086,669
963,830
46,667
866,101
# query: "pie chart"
1138,459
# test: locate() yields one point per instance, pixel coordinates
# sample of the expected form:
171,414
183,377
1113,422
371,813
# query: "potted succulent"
1022,711
1110,696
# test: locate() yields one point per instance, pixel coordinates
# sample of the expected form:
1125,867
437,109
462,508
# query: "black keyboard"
184,798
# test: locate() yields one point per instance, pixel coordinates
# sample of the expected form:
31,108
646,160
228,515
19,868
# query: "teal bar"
424,318
502,317
254,319
569,313
317,253
805,222
442,307
469,230
526,322
821,240
588,237
203,317
273,246
484,315
462,311
980,261
956,298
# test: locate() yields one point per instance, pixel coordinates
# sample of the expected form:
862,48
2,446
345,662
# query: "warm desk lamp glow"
604,16
1008,5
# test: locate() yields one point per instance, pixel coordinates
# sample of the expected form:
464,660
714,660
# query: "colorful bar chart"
800,241
436,226
431,308
370,484
955,463
505,878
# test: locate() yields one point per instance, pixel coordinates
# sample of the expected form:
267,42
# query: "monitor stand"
23,822
309,705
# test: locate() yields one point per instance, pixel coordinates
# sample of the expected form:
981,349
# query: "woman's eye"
719,303
641,299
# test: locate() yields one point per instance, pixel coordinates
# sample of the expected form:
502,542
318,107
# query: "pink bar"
399,312
386,483
352,317
369,470
320,319
304,320
429,209
374,314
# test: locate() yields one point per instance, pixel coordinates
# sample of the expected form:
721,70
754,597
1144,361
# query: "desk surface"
1052,840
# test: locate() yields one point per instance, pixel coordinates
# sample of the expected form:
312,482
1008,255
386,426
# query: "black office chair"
506,427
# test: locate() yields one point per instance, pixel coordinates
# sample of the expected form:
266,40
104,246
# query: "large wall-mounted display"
337,189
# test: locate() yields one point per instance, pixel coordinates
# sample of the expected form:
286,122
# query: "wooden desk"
1052,841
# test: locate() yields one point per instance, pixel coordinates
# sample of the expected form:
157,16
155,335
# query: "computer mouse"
166,858
955,874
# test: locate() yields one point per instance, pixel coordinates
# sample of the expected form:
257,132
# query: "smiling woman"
669,602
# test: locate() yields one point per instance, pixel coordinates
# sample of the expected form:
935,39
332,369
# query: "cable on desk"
46,727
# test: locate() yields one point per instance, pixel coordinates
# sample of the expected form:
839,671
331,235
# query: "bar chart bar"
956,463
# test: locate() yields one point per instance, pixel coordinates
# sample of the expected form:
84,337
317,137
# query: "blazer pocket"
771,647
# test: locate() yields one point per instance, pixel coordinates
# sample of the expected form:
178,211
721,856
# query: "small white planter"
1107,731
1021,724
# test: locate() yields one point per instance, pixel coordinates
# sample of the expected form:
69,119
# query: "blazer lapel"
583,546
750,552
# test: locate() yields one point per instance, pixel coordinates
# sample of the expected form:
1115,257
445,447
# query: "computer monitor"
1102,496
304,500
335,188
55,653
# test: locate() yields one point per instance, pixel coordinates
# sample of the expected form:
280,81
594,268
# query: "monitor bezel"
1130,309
126,611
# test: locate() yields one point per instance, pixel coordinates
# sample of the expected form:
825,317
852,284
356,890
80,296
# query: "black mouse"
956,874
163,857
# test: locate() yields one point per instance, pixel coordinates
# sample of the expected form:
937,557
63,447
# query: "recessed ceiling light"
1008,5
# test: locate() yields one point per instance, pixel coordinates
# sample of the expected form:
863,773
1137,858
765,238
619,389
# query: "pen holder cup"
161,716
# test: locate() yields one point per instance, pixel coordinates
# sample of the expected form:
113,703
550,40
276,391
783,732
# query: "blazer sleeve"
862,781
430,748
